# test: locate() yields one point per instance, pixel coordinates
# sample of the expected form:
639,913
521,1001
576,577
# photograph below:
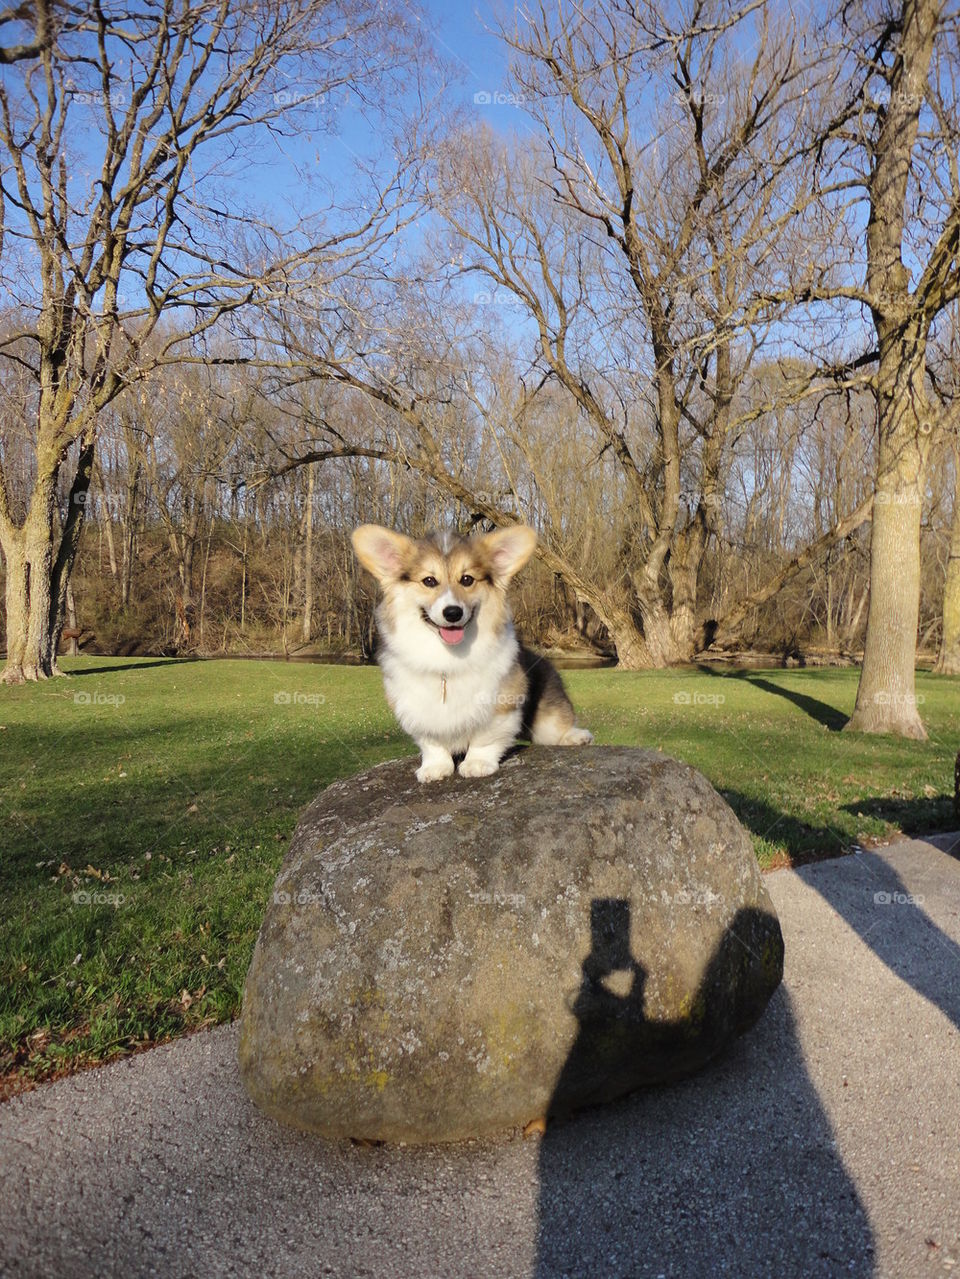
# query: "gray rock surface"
448,961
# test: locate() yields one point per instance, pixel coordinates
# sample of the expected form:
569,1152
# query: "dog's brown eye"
466,580
430,581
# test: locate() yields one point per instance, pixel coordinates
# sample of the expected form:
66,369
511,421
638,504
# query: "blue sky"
476,63
463,34
330,139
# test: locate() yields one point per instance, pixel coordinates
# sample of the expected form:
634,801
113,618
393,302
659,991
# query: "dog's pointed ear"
385,553
508,550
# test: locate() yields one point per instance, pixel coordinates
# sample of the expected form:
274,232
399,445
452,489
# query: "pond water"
563,661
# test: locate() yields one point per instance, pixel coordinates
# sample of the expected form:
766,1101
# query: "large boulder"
451,960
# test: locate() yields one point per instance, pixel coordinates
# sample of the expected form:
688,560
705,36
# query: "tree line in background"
189,548
693,315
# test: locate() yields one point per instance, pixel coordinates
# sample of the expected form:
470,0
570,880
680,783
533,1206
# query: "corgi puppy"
455,675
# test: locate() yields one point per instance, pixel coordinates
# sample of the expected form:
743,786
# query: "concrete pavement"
826,1143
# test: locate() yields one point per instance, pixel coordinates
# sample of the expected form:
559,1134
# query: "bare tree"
122,135
914,195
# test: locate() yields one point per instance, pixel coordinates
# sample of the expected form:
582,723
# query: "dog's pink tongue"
451,634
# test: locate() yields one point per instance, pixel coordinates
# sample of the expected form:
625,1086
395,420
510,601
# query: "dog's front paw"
576,737
478,767
435,770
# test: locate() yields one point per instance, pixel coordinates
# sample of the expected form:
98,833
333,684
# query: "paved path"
826,1143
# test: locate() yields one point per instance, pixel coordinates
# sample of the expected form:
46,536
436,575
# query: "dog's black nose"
452,613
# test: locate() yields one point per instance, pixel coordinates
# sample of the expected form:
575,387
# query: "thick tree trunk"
886,697
685,632
886,700
684,566
17,600
28,555
28,552
36,592
658,640
67,551
669,633
948,658
40,560
632,651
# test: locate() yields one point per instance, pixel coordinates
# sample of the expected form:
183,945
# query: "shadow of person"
732,1171
609,1013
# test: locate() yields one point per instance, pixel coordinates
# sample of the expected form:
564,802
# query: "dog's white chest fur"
445,695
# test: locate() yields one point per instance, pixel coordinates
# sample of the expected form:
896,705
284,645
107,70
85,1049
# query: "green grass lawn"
145,807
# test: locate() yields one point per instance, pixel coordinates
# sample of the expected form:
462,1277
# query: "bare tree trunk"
349,609
658,641
67,551
243,580
633,654
685,564
39,555
184,606
633,651
71,618
106,523
183,544
134,471
948,658
17,598
307,623
29,554
203,577
886,699
852,613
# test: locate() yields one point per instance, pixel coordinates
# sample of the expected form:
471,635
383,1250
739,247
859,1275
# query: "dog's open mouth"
449,634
